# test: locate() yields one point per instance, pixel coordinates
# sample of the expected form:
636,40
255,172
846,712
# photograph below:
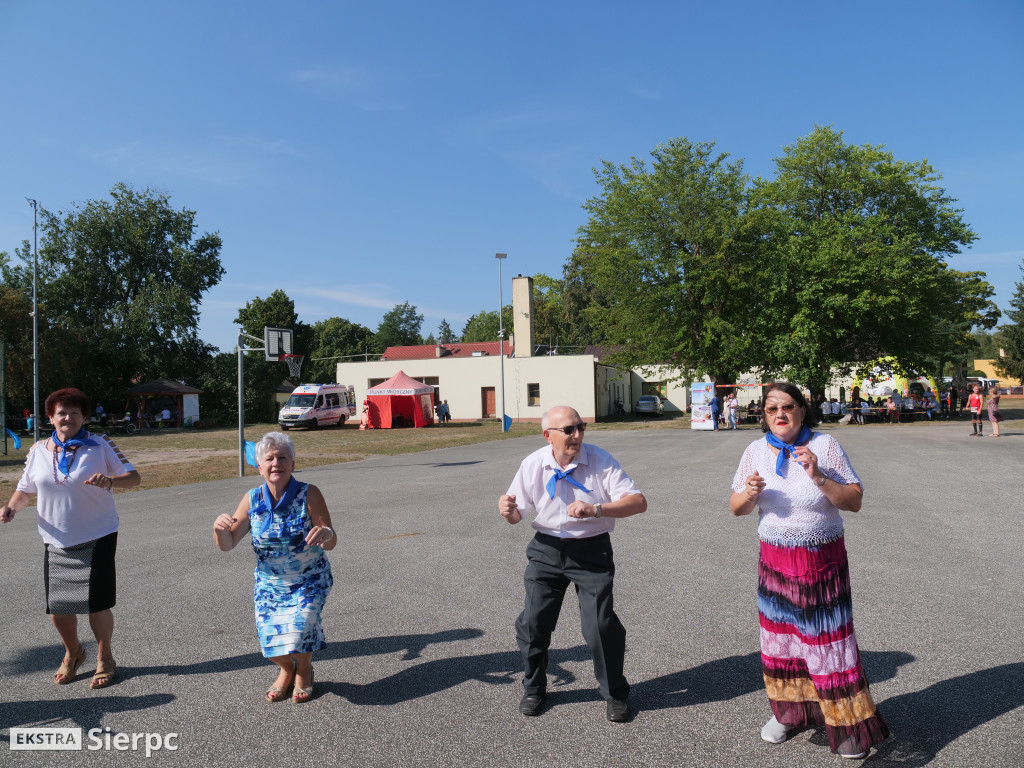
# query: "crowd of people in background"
899,407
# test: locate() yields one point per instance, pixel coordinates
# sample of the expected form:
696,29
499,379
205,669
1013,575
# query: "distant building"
988,367
468,375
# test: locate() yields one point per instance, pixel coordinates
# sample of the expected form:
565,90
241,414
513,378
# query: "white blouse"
792,510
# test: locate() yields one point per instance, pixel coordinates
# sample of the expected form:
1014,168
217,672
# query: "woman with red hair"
73,473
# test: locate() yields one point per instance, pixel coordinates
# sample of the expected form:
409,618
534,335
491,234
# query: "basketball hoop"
294,364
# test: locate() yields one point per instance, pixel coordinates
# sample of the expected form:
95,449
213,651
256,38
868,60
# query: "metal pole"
501,340
241,407
3,392
35,319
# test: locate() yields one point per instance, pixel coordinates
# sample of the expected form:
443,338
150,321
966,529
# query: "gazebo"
154,396
400,401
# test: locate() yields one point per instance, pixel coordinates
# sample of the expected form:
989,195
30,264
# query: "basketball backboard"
278,341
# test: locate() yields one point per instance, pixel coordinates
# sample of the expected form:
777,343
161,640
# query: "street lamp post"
501,340
35,319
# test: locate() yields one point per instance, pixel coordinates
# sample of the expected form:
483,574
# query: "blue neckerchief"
787,448
64,464
283,503
560,475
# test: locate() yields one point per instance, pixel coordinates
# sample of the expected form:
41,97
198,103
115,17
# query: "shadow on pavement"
503,668
85,713
40,658
736,676
922,722
925,721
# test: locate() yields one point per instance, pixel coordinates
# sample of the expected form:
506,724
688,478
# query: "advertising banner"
700,400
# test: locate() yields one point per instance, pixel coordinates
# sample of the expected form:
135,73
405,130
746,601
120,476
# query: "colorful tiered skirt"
812,667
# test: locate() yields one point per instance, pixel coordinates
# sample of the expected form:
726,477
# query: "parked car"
649,404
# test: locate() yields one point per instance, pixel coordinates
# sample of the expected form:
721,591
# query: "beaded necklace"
72,450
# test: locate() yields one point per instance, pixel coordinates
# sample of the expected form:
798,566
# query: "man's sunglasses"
570,431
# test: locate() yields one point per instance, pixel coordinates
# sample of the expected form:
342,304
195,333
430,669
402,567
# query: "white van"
318,405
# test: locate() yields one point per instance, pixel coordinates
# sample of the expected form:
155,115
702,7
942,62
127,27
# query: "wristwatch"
821,482
598,512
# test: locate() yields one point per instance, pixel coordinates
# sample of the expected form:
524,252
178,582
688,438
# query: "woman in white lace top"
800,481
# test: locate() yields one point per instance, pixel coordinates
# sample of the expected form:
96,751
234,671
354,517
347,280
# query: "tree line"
683,260
840,257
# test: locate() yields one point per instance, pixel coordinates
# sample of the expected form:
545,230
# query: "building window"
533,394
434,382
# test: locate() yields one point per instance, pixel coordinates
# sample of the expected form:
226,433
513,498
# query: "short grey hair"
272,441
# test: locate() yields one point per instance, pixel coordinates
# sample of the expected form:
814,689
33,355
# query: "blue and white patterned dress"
293,579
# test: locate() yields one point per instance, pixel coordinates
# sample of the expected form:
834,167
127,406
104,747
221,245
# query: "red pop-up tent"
401,400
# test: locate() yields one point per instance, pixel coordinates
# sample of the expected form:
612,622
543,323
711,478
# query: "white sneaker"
774,731
844,752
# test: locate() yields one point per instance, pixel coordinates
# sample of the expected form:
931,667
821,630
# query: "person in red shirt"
974,404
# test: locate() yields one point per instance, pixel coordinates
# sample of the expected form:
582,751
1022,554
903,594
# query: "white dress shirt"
595,469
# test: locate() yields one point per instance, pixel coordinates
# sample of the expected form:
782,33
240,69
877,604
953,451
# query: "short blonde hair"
274,441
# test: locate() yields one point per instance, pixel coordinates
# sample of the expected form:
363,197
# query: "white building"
468,376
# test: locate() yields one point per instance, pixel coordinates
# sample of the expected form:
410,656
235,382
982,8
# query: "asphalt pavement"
422,667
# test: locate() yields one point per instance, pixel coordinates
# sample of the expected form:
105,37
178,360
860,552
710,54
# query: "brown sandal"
69,668
104,675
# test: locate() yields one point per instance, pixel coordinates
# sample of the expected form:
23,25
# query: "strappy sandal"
276,693
106,669
302,695
69,668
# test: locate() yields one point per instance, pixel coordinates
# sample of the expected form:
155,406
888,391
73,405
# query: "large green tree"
217,376
57,356
958,337
483,326
668,260
556,323
856,260
262,377
127,275
335,339
445,334
1011,337
399,328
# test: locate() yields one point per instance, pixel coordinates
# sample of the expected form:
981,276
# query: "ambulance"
318,405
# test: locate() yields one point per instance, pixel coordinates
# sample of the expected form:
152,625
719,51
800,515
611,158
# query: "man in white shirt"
577,491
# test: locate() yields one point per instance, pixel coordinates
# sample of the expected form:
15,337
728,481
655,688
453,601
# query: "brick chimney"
522,315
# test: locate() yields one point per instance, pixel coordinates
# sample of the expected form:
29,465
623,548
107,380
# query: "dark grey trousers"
587,564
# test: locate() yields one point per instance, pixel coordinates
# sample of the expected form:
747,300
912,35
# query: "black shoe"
618,710
531,704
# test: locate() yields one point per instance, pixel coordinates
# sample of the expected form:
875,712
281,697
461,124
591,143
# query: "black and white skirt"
82,578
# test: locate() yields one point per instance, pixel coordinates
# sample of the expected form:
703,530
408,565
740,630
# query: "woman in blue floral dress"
291,528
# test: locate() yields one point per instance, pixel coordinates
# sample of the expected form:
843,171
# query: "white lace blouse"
792,510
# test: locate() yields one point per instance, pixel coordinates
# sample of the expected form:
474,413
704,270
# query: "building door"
487,407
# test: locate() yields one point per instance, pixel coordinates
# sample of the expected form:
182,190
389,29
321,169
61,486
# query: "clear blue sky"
358,155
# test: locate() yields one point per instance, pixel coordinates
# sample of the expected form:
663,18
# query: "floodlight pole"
501,340
241,405
35,318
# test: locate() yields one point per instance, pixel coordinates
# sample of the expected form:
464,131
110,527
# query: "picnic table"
111,425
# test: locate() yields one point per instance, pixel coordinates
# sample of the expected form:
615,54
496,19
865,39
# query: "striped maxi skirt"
812,668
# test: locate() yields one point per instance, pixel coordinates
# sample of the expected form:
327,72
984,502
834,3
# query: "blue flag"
250,453
16,439
507,423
